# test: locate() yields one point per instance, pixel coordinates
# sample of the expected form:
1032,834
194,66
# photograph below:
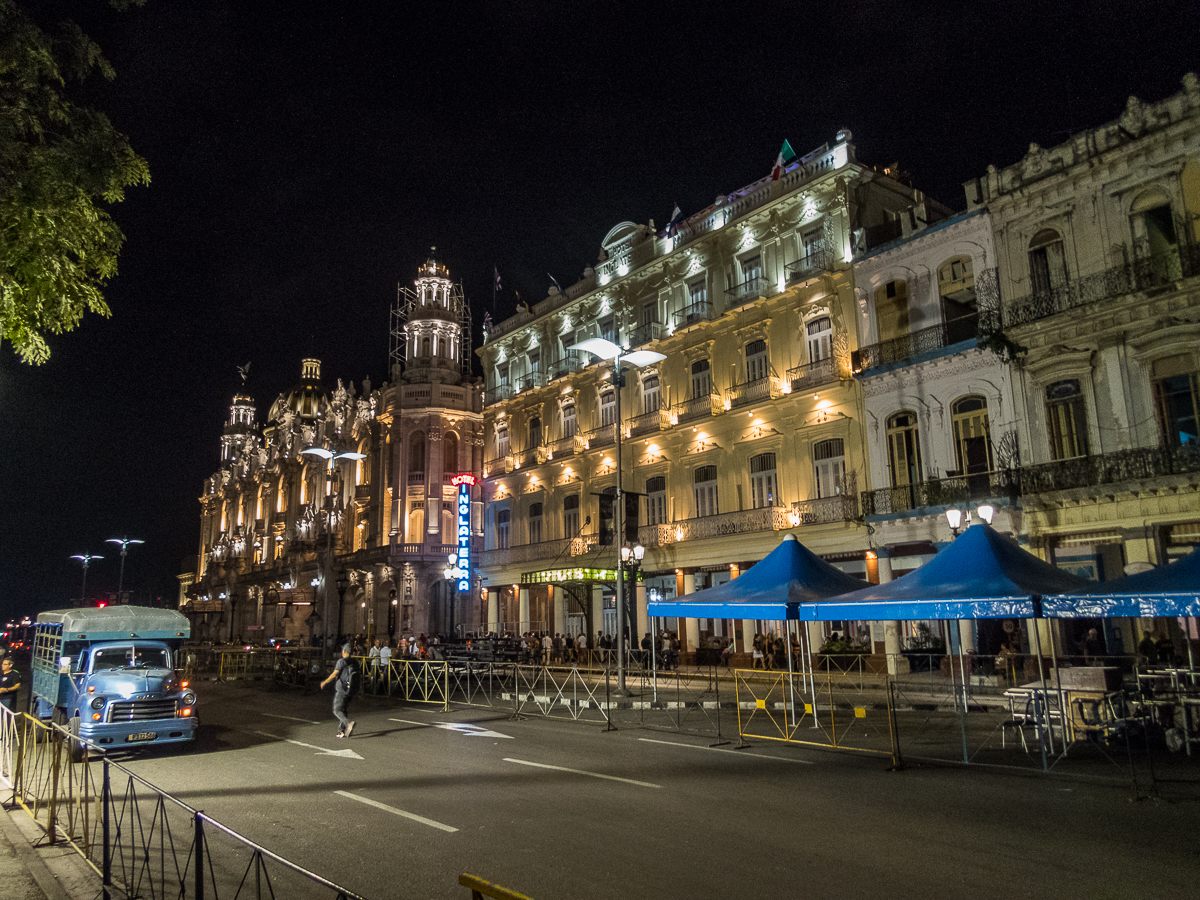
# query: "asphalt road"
556,810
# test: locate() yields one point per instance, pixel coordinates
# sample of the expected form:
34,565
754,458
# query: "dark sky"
305,155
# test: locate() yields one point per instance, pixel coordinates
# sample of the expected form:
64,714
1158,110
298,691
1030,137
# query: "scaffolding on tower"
412,304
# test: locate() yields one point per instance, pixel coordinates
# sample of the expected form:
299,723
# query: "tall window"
449,455
956,287
1047,263
697,301
820,339
656,500
704,490
1066,420
535,433
756,361
535,361
571,516
567,418
650,394
904,449
701,379
502,376
416,453
751,269
972,440
608,408
608,329
502,516
1155,237
762,480
814,248
535,523
501,440
1175,399
891,310
650,312
829,467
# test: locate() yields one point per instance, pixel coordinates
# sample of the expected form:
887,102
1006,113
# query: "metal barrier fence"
140,841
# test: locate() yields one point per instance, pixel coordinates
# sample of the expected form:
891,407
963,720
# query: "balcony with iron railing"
825,510
808,376
938,492
600,437
816,262
700,407
648,423
543,551
684,316
531,456
910,347
531,380
757,391
498,393
749,521
571,361
1128,278
644,334
750,289
565,446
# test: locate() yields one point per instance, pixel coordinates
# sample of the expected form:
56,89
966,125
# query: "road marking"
525,762
396,812
802,762
344,754
291,719
461,727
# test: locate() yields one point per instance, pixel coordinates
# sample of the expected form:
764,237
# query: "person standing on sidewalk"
10,683
346,675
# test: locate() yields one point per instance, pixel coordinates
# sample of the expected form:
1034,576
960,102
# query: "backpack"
350,678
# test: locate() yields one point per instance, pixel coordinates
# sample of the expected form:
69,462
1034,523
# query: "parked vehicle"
111,675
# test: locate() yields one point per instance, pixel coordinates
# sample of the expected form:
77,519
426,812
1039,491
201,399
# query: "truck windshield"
131,657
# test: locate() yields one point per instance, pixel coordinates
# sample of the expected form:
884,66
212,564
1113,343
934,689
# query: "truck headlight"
189,699
98,703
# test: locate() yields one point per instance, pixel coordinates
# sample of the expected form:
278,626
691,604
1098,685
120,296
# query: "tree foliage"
61,164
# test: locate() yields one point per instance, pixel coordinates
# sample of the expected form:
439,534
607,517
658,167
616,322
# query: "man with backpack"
346,675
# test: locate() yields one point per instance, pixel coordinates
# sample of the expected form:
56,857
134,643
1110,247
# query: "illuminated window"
829,467
535,523
820,339
535,433
972,439
704,490
502,529
762,480
571,516
650,394
608,408
567,420
756,361
904,449
656,500
701,379
501,441
1066,420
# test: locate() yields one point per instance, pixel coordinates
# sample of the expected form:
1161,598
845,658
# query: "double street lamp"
455,573
954,517
124,542
617,355
85,558
332,458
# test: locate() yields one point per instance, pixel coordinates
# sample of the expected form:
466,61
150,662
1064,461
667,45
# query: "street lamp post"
124,542
454,573
609,351
631,562
331,458
85,558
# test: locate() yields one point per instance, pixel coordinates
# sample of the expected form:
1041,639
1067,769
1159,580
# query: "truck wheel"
76,746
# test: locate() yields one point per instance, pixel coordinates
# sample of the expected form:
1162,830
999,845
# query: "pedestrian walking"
345,673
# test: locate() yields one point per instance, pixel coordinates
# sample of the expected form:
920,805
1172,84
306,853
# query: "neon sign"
464,483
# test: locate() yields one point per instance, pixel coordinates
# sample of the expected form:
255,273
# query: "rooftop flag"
786,155
676,219
496,272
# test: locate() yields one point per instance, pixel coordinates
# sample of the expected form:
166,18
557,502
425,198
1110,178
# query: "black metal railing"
820,372
570,361
531,380
751,391
700,407
750,289
600,437
498,393
701,311
814,263
1127,278
842,508
650,422
644,334
940,492
910,346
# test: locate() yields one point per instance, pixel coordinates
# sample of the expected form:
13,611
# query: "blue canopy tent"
1172,590
771,589
981,575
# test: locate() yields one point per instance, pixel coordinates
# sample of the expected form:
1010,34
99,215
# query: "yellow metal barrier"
480,889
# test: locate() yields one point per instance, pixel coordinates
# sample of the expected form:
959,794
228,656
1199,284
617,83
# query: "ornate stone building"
338,514
752,424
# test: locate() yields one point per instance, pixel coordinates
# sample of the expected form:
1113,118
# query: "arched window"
756,361
571,516
656,500
829,467
820,339
426,347
608,408
891,310
972,439
904,448
449,455
1047,263
535,433
701,379
762,480
416,455
704,490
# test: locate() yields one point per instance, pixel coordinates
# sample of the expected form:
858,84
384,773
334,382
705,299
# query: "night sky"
305,155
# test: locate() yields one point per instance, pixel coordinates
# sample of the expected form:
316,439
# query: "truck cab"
110,675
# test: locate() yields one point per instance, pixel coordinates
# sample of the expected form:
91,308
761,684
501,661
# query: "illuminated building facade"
339,513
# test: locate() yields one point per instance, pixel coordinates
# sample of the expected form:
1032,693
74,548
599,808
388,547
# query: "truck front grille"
141,710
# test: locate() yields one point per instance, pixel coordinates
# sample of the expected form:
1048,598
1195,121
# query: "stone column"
643,615
597,613
691,625
749,626
558,607
523,610
892,644
493,609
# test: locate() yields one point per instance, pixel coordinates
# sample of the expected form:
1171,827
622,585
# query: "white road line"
410,722
291,718
742,753
525,762
396,812
345,754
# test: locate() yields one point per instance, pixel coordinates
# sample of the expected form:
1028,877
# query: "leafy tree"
60,165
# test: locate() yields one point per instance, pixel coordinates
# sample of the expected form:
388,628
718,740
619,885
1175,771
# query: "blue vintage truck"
109,674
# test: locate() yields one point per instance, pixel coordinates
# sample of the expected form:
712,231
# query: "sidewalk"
40,873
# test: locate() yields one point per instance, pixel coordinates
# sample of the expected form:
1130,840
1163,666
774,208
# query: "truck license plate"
141,736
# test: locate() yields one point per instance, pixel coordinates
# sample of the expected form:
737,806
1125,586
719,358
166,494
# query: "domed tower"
307,400
436,428
238,428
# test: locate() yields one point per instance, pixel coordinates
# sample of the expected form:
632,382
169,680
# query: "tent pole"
654,655
1042,710
791,678
812,677
957,631
1058,683
1191,630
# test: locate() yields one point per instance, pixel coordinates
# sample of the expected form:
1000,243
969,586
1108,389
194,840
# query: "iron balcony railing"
700,407
750,289
815,263
826,510
910,346
769,518
755,391
644,334
570,361
565,446
530,456
1137,464
814,373
498,393
650,422
1127,278
940,492
531,380
544,550
701,311
600,437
